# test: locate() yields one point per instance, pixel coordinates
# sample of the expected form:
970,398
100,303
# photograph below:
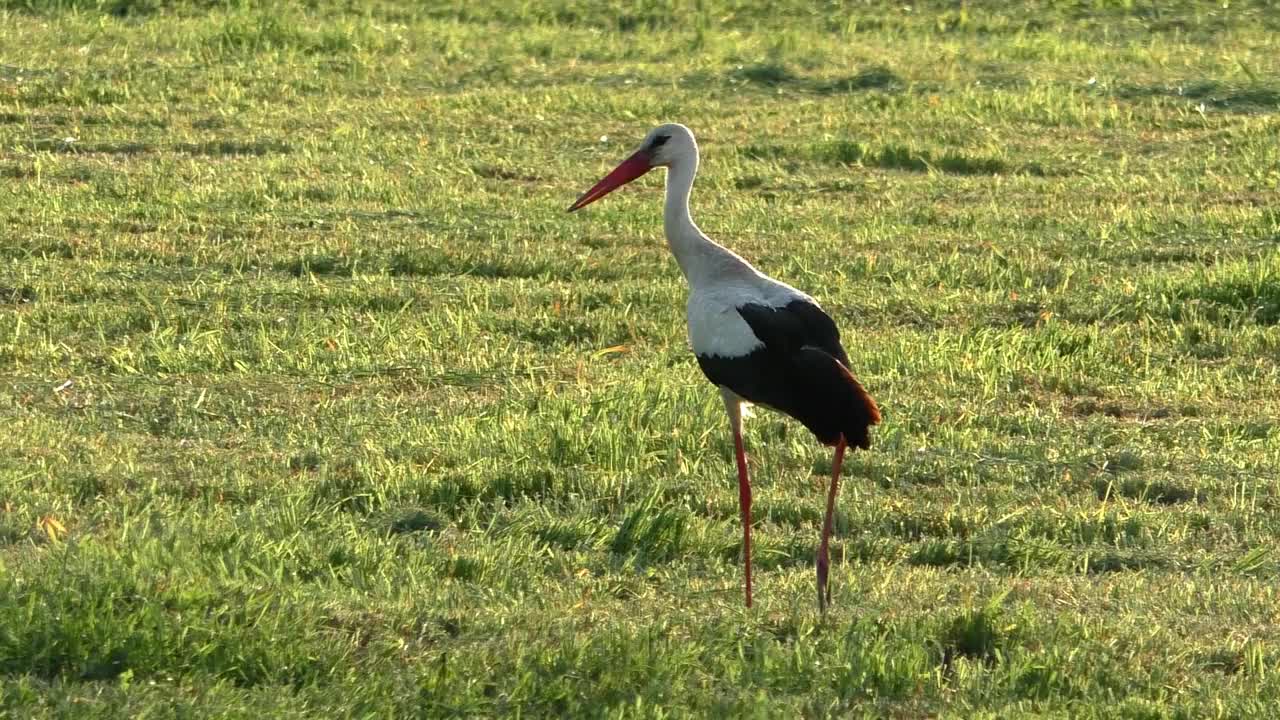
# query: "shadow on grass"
495,172
17,295
1258,299
72,146
978,634
1255,97
1237,292
1156,492
450,494
876,77
650,534
414,264
117,8
414,521
1022,554
777,75
213,148
1225,295
892,157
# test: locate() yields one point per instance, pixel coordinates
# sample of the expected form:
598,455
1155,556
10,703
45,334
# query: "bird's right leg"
733,404
823,561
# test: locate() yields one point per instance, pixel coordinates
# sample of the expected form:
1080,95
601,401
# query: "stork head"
664,146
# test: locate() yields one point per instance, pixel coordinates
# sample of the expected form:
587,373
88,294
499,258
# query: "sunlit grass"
320,405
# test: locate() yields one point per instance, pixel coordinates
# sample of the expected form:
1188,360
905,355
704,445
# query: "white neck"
691,248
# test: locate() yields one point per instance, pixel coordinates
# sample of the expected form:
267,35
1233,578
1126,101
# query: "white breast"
716,328
719,283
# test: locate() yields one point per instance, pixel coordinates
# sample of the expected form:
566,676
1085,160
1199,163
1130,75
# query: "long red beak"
630,169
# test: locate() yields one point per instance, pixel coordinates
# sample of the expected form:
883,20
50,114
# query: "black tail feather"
830,401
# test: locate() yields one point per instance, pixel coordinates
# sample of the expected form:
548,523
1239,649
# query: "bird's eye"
659,141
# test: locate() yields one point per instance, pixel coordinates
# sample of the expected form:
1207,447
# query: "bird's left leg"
823,561
733,404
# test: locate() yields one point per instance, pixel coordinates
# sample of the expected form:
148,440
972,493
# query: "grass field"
317,404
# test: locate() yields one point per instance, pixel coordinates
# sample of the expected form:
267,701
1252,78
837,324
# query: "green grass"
319,405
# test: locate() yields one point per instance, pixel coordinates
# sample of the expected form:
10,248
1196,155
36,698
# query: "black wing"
795,325
802,370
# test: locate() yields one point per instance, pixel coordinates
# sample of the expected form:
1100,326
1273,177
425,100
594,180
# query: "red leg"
823,563
744,502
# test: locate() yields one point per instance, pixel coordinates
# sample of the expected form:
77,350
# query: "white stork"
761,341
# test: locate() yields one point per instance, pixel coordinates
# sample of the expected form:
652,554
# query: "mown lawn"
317,404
